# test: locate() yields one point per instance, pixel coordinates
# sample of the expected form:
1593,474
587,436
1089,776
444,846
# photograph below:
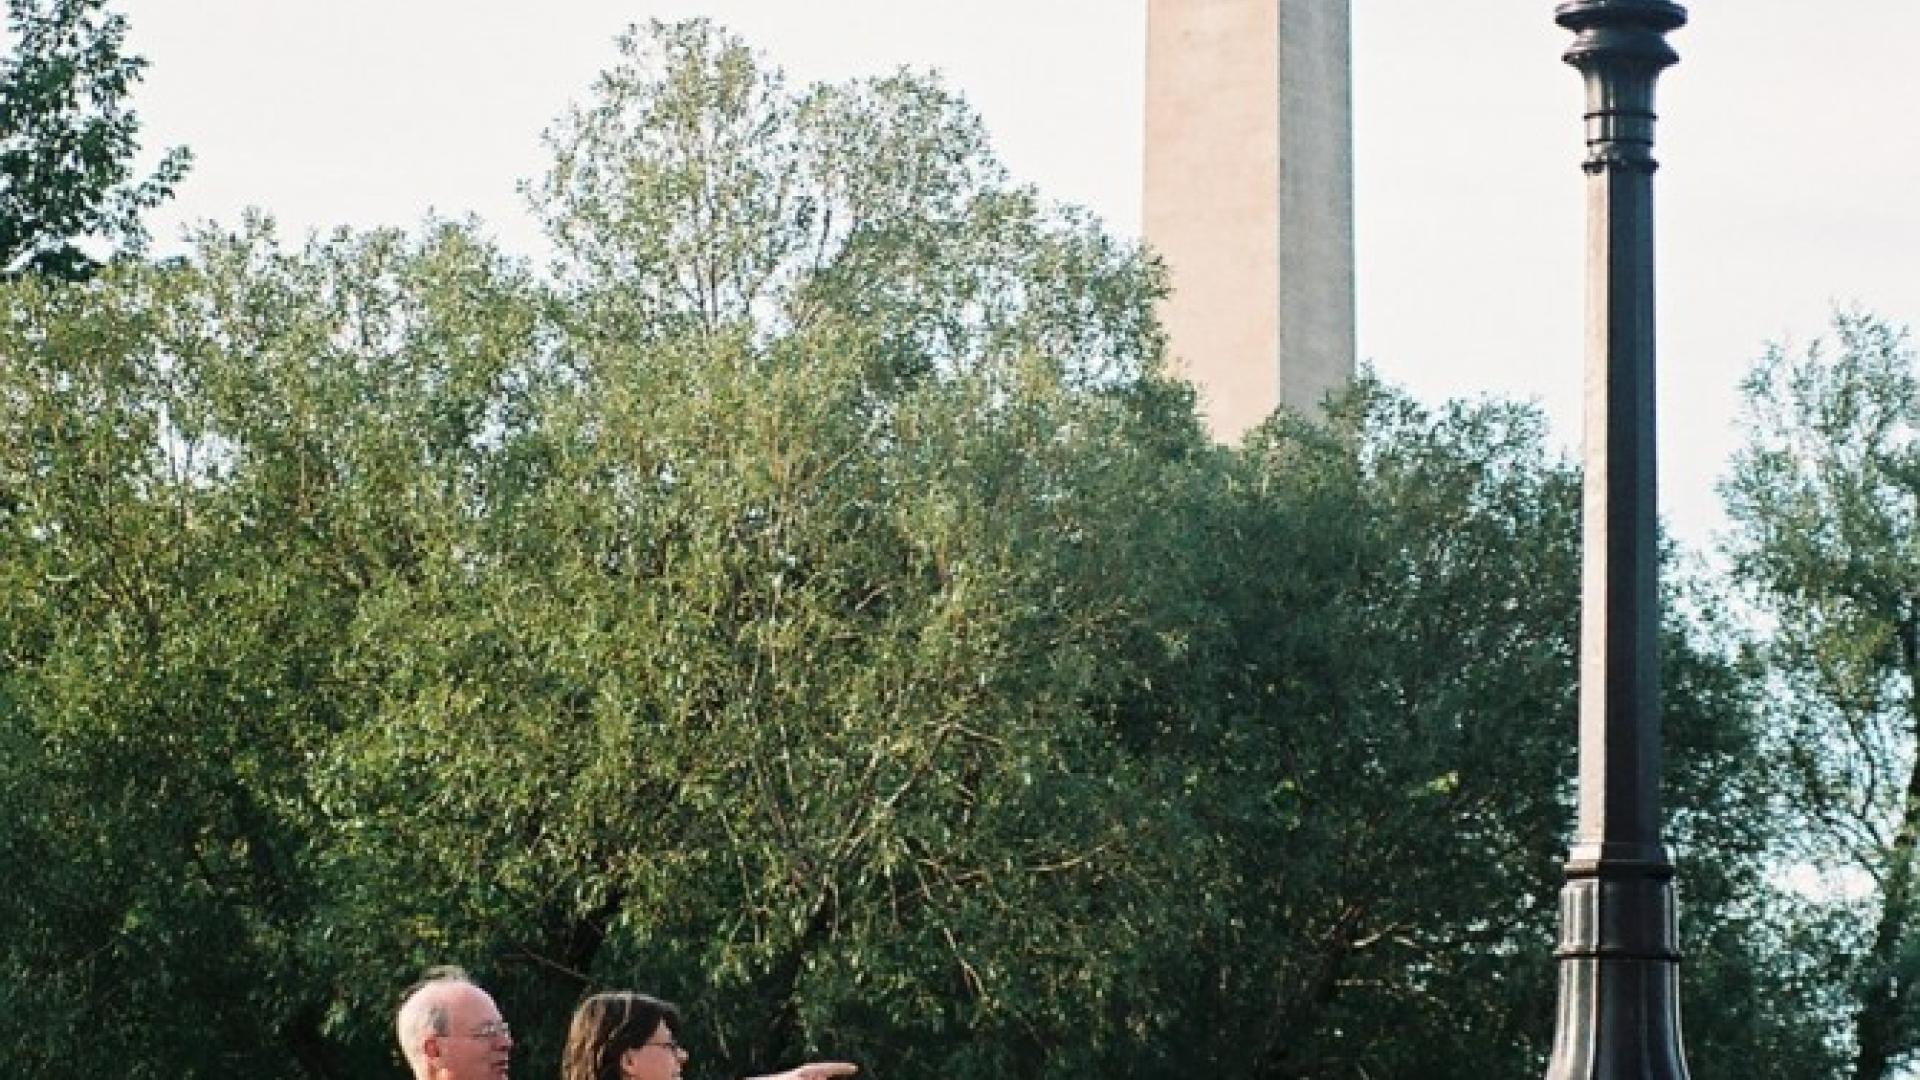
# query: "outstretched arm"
815,1070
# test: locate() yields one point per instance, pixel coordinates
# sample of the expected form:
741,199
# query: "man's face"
477,1045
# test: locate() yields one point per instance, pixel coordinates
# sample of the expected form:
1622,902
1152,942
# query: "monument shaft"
1249,198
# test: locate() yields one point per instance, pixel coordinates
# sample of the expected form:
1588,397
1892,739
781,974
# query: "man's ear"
430,1047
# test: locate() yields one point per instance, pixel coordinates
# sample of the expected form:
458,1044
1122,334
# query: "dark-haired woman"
622,1035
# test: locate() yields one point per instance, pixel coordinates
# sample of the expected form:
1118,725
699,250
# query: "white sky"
1790,179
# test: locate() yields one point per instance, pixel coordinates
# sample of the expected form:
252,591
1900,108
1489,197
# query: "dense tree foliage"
811,603
1826,496
68,140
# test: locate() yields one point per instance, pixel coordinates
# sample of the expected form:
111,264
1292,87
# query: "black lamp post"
1619,1013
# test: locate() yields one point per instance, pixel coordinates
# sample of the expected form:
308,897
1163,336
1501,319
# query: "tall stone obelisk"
1249,198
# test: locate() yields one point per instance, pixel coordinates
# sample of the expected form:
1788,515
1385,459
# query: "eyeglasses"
670,1046
499,1029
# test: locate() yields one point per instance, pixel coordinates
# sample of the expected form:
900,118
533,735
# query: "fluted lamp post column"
1619,1013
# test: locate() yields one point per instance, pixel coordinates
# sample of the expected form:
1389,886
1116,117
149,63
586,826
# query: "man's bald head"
448,1027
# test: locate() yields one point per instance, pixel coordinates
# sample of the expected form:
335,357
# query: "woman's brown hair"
607,1025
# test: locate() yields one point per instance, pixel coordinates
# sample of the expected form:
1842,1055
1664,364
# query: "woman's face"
659,1058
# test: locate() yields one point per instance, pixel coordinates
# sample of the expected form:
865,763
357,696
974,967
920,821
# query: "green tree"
1371,711
204,470
68,140
696,190
694,657
1825,497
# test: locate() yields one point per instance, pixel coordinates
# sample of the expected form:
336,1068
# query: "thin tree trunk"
319,1056
1877,1025
778,1037
1295,1021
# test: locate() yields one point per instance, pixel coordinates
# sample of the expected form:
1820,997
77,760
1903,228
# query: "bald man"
450,1029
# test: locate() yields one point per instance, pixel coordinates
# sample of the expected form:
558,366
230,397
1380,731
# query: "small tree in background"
1825,498
68,140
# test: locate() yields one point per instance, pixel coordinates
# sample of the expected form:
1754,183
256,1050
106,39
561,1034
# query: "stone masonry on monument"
1249,198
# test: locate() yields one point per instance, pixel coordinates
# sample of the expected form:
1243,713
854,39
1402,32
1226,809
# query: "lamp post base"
1619,1015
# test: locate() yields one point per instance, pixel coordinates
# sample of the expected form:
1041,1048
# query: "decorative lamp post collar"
1621,48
